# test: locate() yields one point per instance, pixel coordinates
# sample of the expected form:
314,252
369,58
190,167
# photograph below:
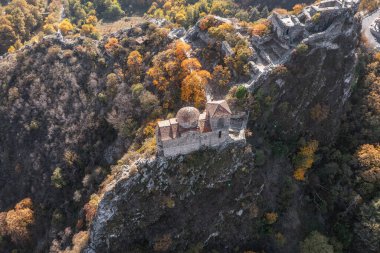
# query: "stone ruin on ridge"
375,29
192,130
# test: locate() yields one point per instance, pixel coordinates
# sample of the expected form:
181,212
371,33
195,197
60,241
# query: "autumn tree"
89,30
19,220
7,37
260,27
91,207
65,26
190,64
182,49
134,62
112,44
369,159
193,87
304,159
298,8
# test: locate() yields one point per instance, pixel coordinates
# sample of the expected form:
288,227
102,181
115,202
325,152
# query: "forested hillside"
79,107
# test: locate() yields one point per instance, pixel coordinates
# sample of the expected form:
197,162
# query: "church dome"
187,117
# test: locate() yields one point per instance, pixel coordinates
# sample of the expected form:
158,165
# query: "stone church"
191,130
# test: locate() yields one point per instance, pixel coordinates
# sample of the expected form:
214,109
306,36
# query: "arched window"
220,134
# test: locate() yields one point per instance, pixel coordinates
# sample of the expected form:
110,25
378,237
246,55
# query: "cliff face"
210,200
216,200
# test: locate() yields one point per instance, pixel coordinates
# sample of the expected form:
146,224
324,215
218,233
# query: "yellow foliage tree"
11,49
304,159
48,29
87,29
193,87
92,20
65,26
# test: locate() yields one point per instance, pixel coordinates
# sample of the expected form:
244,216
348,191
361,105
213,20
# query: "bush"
260,158
271,218
137,89
316,243
57,179
316,17
302,48
241,92
148,101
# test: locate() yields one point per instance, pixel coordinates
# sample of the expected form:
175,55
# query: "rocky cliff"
228,200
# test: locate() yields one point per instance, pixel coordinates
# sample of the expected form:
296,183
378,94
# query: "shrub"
319,112
260,27
91,207
57,179
13,94
148,101
79,242
271,217
260,158
70,157
137,89
241,92
316,17
163,243
302,48
316,243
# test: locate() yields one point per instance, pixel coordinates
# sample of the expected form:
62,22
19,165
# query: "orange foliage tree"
298,8
260,27
91,207
16,222
134,62
369,159
191,64
111,44
193,87
182,49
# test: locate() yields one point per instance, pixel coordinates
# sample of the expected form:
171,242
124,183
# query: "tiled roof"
218,108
